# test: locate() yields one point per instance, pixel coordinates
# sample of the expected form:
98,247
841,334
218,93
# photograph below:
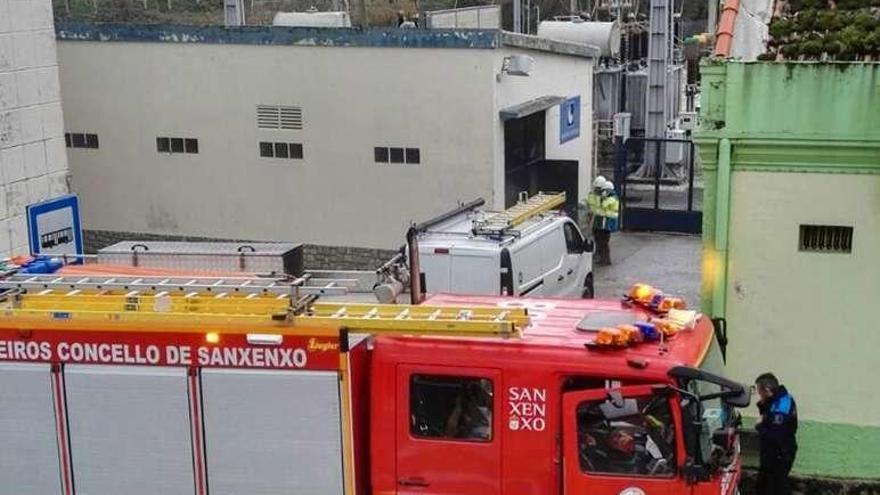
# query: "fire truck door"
448,431
622,441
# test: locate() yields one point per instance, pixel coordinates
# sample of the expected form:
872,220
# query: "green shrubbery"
817,30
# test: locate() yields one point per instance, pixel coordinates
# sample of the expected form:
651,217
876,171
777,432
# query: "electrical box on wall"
687,121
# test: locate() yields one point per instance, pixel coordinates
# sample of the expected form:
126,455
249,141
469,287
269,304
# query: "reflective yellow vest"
605,211
611,207
594,203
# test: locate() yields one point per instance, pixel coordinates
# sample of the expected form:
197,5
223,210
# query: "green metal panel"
801,100
832,449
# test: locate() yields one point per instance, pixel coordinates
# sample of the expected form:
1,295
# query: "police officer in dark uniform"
777,429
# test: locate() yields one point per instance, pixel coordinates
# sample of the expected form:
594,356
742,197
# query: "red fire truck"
222,386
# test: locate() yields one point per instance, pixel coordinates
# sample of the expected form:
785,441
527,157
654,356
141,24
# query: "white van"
527,250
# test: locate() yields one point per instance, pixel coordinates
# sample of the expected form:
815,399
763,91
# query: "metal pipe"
449,214
722,224
692,160
658,171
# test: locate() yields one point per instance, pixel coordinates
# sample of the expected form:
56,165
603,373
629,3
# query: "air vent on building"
279,117
826,239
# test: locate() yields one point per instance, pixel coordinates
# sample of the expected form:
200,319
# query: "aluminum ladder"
526,208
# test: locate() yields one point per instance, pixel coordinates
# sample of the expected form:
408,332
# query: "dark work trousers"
773,479
603,252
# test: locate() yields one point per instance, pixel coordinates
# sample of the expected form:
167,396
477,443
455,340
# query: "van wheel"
588,287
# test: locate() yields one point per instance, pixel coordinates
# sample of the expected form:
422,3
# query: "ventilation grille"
826,238
279,117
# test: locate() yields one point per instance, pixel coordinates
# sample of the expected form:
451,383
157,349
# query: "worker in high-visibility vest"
604,213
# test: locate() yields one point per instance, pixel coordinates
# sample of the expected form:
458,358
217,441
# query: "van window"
451,407
635,437
574,242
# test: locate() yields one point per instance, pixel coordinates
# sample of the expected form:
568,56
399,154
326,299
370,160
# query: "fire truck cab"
546,415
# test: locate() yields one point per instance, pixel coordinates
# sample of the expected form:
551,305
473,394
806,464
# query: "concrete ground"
670,262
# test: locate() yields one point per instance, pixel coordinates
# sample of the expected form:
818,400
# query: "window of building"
281,150
826,238
381,155
411,156
451,407
633,436
396,155
177,145
281,117
81,140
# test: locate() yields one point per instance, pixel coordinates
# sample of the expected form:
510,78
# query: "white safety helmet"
599,182
608,186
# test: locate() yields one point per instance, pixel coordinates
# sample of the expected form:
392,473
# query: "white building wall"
33,165
353,99
553,75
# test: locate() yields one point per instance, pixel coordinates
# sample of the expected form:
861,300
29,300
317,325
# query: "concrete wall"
808,317
800,144
353,99
795,299
33,165
444,101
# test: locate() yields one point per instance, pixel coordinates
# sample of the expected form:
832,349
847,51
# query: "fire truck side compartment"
28,446
269,431
129,430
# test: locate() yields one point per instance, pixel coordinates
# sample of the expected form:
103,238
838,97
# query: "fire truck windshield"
632,436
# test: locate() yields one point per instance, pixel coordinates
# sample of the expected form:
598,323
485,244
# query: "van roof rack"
526,208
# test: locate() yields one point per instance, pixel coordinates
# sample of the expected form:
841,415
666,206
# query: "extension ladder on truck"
231,304
498,223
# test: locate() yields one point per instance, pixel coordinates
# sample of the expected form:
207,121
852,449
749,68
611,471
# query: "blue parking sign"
569,119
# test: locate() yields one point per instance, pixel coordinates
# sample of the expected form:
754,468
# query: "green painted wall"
832,450
803,145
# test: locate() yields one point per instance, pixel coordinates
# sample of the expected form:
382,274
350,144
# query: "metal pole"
713,16
657,173
691,177
517,16
362,11
528,17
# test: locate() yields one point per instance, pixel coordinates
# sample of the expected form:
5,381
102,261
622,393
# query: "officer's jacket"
778,427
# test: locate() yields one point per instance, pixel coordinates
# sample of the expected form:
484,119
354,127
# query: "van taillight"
441,250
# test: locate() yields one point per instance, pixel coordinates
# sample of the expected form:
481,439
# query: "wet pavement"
670,262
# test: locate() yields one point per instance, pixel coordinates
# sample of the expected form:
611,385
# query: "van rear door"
436,264
475,272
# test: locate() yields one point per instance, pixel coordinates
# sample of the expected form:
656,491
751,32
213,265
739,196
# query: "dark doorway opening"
527,168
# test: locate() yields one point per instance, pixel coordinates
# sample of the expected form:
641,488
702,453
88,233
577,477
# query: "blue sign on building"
54,227
569,119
